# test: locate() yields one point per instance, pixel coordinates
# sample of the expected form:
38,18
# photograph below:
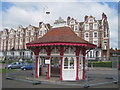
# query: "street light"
46,11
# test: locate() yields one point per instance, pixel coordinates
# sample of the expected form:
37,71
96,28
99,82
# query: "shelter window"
71,51
43,51
66,63
71,63
90,54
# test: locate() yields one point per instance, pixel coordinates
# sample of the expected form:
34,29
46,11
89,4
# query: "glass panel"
66,63
67,50
71,63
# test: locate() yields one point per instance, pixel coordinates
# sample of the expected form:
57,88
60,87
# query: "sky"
29,12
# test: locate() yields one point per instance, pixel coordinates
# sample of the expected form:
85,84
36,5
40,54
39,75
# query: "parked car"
15,65
28,67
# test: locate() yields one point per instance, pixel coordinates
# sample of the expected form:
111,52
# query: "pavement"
23,81
20,84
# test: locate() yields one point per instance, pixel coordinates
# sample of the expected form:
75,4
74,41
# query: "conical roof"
59,35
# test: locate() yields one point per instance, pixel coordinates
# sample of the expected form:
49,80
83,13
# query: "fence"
94,73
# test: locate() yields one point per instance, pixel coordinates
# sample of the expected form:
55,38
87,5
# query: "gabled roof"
60,35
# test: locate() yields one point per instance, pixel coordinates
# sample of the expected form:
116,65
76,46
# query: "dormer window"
30,27
90,20
72,22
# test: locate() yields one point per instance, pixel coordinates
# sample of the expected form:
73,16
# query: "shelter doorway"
55,66
69,68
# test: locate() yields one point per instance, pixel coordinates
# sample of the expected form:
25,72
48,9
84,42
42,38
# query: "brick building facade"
92,30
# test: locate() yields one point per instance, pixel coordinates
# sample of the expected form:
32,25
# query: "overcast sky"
25,13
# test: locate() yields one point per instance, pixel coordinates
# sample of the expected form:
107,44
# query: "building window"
91,20
72,22
40,32
27,33
32,32
30,39
87,35
86,26
75,28
95,34
104,34
27,40
95,42
95,26
45,31
21,40
21,34
33,39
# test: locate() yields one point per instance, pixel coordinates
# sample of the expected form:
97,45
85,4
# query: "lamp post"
45,11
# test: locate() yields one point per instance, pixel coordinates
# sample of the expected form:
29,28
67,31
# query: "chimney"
104,16
68,18
85,18
40,24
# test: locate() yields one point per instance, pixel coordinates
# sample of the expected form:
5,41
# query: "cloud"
26,13
60,0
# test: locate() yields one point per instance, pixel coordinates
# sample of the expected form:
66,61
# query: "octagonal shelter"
63,43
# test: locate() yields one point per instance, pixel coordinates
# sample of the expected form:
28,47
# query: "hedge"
100,64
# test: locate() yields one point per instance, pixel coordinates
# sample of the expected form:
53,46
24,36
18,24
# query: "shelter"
62,42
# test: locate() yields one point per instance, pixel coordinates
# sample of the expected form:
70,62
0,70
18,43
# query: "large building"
91,30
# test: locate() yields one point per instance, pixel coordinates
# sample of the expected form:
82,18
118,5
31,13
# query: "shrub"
100,64
30,61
